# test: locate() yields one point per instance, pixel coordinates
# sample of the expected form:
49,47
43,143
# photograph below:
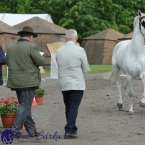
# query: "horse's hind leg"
117,76
130,93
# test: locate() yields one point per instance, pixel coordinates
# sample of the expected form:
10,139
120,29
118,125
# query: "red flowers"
6,102
9,105
13,97
16,102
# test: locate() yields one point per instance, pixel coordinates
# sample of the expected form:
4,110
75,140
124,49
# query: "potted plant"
8,110
39,94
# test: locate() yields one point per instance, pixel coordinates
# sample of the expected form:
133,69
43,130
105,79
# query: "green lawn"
93,69
4,77
47,73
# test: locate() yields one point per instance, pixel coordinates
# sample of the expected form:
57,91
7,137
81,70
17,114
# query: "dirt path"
99,121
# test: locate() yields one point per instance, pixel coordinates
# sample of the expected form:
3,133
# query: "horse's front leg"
142,102
130,93
120,99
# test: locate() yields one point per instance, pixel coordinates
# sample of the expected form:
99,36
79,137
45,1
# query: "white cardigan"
72,67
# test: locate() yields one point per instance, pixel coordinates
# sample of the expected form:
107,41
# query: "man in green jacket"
23,60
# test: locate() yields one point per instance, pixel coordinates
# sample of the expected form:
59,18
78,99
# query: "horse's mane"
135,20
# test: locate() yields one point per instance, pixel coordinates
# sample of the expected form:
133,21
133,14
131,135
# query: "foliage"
86,16
8,106
39,92
89,17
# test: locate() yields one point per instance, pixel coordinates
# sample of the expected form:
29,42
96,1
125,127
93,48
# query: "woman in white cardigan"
72,68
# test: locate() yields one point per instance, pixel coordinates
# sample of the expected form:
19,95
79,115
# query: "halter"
141,23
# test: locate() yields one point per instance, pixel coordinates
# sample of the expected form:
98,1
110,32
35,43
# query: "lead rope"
140,24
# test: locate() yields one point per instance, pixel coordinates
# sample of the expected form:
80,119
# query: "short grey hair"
71,34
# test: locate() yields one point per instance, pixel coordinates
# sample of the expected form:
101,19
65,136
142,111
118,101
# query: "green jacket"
23,60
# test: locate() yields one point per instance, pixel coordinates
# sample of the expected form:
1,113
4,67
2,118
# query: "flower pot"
8,120
39,99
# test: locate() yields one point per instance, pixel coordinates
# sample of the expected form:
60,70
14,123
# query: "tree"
91,16
86,16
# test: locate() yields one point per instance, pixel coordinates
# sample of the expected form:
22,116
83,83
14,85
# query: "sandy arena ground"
99,121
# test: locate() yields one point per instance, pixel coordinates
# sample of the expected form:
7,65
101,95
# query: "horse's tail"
110,76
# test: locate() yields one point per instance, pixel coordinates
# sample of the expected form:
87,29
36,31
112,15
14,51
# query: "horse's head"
141,22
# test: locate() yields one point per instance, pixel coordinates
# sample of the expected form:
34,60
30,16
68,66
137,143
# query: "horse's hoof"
141,104
131,113
120,106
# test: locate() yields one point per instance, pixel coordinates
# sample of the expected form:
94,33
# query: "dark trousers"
24,116
72,100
